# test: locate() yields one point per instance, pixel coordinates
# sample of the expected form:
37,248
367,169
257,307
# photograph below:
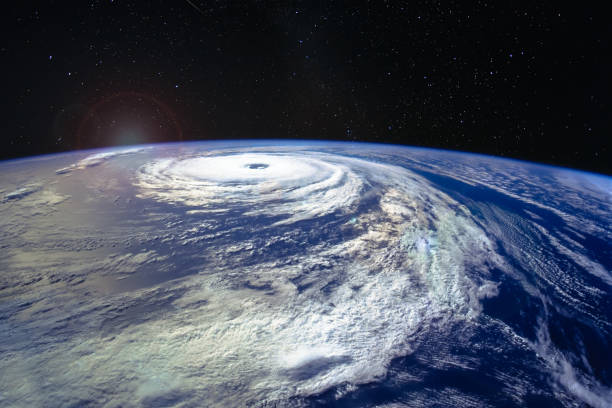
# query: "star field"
525,80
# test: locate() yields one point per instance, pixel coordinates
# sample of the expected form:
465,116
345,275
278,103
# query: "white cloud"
99,158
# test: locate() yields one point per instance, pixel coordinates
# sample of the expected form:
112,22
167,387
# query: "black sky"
529,80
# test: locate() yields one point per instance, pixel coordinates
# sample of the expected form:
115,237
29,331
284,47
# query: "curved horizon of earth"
302,273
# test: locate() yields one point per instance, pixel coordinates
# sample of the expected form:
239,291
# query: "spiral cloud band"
300,186
339,311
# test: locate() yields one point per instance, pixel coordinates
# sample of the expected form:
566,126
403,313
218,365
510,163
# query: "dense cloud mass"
233,276
300,186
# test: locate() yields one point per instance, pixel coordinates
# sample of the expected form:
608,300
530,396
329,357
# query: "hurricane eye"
256,166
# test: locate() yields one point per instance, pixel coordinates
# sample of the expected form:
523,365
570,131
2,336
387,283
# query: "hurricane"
300,186
339,313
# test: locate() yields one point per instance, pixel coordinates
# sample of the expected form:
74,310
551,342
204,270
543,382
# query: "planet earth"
302,274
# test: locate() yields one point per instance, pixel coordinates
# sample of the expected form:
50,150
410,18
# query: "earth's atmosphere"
302,274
